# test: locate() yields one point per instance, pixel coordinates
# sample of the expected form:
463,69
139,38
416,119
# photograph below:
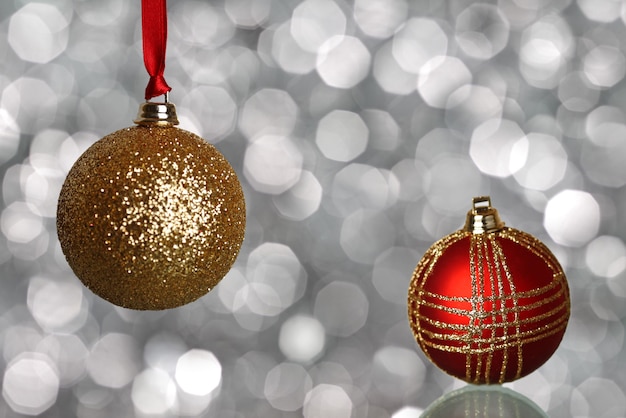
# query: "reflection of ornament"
483,402
488,303
152,216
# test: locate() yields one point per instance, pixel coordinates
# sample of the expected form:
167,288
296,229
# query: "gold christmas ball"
151,217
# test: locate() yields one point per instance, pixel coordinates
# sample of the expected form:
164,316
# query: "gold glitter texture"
151,217
488,307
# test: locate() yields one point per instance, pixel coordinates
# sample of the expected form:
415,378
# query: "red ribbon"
154,30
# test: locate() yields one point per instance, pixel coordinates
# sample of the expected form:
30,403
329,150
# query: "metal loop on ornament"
482,218
160,114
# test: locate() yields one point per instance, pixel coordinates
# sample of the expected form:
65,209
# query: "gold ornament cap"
482,218
161,114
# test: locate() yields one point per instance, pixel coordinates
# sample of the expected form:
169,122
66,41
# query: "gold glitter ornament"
488,303
151,217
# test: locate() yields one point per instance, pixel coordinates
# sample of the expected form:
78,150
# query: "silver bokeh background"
360,131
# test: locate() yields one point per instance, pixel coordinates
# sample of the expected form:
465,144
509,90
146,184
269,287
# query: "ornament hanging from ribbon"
488,303
151,216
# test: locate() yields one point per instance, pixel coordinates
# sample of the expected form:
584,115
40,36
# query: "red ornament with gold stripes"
488,303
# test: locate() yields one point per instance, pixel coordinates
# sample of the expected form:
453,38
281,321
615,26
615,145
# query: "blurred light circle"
259,299
30,384
200,24
341,135
243,67
416,42
397,372
439,77
383,129
600,116
343,61
92,46
97,13
361,186
20,337
572,218
286,386
265,43
55,304
388,73
365,234
38,32
545,49
451,182
214,108
546,163
68,352
153,392
598,397
276,279
288,54
601,10
410,174
96,111
302,338
606,256
230,290
248,14
602,157
272,164
268,112
114,360
342,308
302,200
570,123
519,14
232,66
482,31
41,182
380,18
20,224
577,94
326,400
32,102
470,105
331,371
251,370
198,372
9,136
607,303
389,273
440,143
324,99
162,351
499,147
604,66
314,22
587,333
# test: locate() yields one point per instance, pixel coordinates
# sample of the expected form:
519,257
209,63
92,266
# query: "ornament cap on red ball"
488,303
482,217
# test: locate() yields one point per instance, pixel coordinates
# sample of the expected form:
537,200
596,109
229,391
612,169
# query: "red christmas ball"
488,303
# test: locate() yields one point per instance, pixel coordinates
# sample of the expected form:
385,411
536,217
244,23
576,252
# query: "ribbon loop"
154,33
